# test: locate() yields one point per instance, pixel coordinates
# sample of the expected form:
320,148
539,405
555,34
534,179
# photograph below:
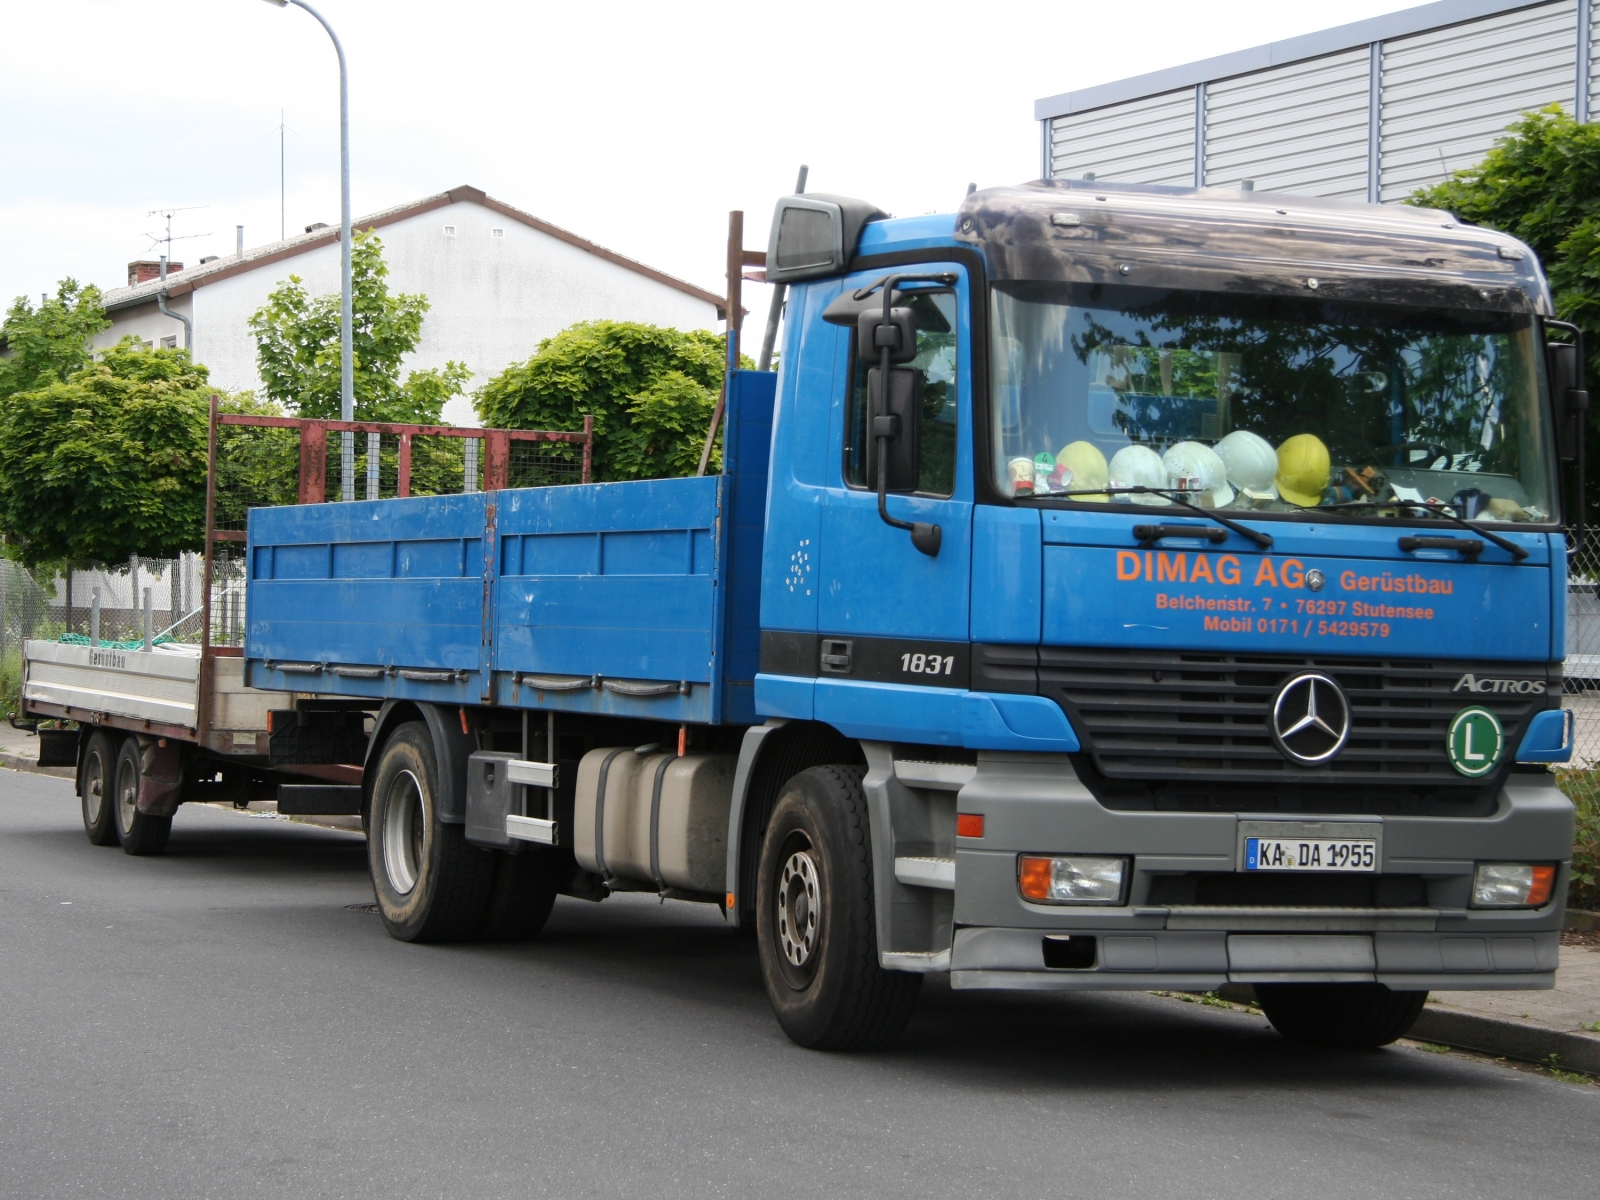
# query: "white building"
1372,111
498,281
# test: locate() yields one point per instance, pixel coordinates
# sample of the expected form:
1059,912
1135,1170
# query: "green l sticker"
1474,742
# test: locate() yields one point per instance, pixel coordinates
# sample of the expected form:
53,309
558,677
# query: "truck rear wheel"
815,919
1349,1016
432,885
523,894
140,833
98,787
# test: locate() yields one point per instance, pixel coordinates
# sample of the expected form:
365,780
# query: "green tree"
1541,183
108,463
44,345
297,347
651,391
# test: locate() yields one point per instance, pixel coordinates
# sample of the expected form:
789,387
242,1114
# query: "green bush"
1583,786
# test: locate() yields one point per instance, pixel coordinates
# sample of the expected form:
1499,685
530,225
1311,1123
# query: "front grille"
1248,890
1188,731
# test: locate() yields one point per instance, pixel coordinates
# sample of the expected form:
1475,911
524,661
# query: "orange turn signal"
1544,878
1033,878
969,825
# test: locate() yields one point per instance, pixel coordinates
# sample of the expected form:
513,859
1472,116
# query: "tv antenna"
166,238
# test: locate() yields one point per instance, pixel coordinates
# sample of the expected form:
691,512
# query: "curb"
1463,1030
1509,1039
20,762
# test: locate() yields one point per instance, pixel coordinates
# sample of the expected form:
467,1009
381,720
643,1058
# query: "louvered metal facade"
1372,110
1144,141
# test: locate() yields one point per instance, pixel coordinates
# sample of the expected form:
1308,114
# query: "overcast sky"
636,125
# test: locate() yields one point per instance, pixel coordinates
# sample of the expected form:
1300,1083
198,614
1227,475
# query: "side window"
935,314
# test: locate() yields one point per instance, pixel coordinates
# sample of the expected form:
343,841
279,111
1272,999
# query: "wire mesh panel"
544,464
257,467
1582,667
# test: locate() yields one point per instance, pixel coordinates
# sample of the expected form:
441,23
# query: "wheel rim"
799,909
94,789
403,828
127,794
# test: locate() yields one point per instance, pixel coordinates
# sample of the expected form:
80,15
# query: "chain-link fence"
1582,668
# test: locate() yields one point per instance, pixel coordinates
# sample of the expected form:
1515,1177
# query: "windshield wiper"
1518,553
1263,540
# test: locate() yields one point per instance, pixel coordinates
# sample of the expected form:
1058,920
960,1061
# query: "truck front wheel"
98,789
431,884
140,833
1348,1016
815,921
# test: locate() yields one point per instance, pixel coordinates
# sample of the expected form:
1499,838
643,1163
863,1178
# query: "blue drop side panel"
381,583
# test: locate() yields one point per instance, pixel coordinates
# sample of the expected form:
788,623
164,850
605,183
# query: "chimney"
239,240
146,269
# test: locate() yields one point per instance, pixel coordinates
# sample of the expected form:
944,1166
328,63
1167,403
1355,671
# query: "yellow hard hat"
1303,466
1088,467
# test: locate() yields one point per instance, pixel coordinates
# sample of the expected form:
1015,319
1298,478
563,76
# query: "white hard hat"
1250,460
1138,466
1195,468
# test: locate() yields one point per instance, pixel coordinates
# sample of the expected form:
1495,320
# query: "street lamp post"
347,375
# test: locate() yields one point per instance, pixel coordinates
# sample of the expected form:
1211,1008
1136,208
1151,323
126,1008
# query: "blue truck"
1114,588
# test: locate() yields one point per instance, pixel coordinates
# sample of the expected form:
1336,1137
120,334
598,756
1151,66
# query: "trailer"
165,722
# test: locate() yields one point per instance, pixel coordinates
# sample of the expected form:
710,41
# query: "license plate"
1326,854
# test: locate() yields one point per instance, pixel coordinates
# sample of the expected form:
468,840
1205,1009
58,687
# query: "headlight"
1071,879
1512,885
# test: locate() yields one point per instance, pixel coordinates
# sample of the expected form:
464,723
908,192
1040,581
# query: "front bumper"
1036,804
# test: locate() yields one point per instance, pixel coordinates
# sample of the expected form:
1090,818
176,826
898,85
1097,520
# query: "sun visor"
1213,239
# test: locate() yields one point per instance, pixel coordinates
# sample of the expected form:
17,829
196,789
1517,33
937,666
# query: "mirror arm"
925,537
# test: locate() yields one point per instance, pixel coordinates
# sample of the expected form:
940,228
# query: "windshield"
1266,403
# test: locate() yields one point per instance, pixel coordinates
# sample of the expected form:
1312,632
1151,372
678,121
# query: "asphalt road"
218,1023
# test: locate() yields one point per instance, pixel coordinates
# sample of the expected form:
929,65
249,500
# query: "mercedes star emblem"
1315,579
1310,719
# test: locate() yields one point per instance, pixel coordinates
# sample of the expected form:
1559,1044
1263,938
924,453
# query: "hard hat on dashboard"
1303,465
1250,460
1195,468
1088,467
1138,466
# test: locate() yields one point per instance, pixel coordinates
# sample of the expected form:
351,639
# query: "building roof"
1274,54
273,252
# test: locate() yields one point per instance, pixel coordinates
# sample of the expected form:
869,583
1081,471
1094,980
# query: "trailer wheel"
140,833
815,922
523,894
432,885
1349,1016
98,787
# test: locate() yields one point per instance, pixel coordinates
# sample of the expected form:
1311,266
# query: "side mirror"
899,335
1570,399
897,422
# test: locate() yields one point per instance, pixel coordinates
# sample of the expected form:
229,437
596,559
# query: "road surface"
220,1022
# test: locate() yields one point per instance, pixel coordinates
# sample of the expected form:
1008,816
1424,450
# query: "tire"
140,833
522,896
432,884
815,919
1347,1016
98,786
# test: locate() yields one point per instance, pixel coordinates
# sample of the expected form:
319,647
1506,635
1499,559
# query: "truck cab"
1185,693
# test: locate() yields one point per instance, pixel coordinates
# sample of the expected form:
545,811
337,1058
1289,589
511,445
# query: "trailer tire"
140,833
1347,1016
816,922
432,884
522,896
97,789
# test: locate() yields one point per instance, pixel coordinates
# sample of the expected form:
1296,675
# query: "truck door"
903,612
